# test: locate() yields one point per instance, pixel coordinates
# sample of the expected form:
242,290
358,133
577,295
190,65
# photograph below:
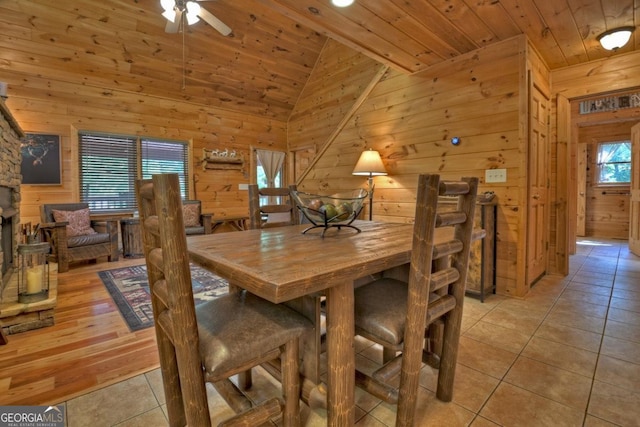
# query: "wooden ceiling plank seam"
466,20
437,23
289,10
558,15
495,17
617,13
526,16
589,17
430,44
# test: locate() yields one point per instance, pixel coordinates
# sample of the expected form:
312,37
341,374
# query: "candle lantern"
33,272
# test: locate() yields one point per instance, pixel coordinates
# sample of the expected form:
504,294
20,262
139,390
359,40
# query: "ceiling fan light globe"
170,15
168,5
342,3
193,9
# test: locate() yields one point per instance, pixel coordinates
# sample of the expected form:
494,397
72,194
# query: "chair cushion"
190,231
79,221
381,310
191,214
235,328
88,239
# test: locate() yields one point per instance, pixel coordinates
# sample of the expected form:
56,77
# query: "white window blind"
110,165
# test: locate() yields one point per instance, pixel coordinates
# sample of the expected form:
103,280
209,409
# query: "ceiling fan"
181,12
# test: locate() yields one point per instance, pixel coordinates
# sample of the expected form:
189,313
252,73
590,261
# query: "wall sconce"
616,38
370,164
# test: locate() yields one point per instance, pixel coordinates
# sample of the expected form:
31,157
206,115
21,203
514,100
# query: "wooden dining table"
282,264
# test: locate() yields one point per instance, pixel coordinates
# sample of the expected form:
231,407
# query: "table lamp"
370,164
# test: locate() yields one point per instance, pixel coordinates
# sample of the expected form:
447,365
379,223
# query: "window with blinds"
110,165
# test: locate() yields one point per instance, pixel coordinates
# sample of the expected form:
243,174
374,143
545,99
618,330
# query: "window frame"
601,164
136,158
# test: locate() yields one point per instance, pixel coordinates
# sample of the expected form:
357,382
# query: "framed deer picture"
41,159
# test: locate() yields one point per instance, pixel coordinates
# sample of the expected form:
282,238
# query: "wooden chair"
395,312
278,211
313,341
196,222
82,240
216,339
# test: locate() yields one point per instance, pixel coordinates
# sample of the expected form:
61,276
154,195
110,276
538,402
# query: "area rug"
129,289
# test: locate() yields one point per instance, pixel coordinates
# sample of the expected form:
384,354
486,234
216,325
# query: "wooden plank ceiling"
262,67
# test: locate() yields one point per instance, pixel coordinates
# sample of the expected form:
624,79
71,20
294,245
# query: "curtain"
271,162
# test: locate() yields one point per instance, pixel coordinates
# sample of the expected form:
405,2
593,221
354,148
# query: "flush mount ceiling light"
342,3
616,38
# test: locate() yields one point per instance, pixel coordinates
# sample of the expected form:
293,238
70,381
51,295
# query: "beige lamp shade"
369,164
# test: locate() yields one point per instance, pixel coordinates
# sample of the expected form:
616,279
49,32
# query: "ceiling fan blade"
214,22
173,27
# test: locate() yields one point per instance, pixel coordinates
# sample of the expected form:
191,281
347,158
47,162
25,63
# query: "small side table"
131,238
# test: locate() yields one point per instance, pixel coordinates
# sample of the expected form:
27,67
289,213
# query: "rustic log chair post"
284,211
217,339
435,290
312,342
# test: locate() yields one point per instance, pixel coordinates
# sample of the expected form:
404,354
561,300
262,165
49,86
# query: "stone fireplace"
15,316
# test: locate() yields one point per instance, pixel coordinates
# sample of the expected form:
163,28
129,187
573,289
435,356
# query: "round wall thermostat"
455,140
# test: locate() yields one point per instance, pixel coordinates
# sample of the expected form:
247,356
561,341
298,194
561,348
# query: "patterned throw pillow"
79,221
191,215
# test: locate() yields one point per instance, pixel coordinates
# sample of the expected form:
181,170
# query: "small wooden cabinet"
481,278
131,238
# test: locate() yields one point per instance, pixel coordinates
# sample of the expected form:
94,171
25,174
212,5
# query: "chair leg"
291,384
449,358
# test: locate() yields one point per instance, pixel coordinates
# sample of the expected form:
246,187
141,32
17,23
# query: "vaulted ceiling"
262,67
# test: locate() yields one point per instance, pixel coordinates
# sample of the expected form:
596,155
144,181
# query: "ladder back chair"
279,210
396,311
217,339
286,213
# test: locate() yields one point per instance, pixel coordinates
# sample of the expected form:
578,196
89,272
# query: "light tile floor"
567,355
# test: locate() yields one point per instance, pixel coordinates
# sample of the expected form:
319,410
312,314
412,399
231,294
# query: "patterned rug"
129,289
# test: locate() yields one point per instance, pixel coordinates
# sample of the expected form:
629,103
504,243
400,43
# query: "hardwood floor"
89,347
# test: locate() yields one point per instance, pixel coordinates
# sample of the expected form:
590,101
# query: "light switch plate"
495,175
243,186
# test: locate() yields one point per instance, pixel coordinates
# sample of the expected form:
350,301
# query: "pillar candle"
34,279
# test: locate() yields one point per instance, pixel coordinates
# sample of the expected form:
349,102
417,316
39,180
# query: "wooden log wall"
569,85
53,111
110,67
410,120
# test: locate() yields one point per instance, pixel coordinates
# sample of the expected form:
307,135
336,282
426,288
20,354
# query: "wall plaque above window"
610,103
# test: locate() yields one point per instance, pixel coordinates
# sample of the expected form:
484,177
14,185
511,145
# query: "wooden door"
581,225
634,217
538,184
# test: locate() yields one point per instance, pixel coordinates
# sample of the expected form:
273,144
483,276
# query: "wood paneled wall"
46,105
411,119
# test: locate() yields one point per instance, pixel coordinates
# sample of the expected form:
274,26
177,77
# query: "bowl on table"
337,210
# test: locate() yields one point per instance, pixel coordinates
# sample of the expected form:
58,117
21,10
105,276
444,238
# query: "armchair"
195,222
75,237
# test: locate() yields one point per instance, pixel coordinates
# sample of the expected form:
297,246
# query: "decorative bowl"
338,210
